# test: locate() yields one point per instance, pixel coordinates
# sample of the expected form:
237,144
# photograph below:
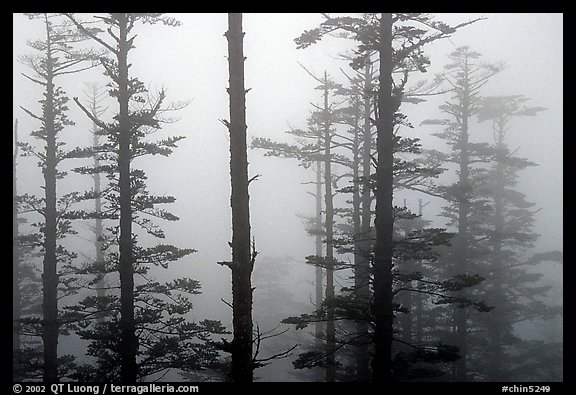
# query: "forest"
327,197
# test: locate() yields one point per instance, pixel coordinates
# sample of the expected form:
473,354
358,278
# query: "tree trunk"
362,261
98,227
418,299
49,273
463,238
16,280
318,327
329,226
128,340
496,323
242,257
382,302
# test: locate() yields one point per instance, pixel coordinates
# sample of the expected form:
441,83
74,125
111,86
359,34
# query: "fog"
190,62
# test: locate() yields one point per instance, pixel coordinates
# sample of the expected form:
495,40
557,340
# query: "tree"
379,33
321,132
242,255
510,285
138,116
467,203
57,58
96,96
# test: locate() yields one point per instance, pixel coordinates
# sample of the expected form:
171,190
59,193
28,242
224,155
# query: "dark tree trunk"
49,273
128,341
242,257
382,301
16,280
362,261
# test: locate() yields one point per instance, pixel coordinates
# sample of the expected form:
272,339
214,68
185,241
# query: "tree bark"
242,257
128,341
382,302
362,258
49,273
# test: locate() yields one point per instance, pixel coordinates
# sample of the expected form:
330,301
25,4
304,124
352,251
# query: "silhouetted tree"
148,331
243,256
57,57
381,33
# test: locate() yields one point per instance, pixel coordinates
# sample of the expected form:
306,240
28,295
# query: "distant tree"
467,203
56,57
317,145
510,285
96,96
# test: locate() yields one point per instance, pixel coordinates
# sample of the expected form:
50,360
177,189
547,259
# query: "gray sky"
190,61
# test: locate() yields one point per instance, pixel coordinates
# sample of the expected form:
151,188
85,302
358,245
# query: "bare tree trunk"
16,280
383,249
129,340
242,257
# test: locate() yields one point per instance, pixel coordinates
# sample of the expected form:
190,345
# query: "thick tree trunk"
382,302
16,280
128,341
242,257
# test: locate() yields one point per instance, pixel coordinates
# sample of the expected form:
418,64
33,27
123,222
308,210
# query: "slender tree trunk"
495,372
382,302
318,327
418,299
49,274
362,272
242,257
98,228
407,319
329,227
128,341
463,238
16,280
